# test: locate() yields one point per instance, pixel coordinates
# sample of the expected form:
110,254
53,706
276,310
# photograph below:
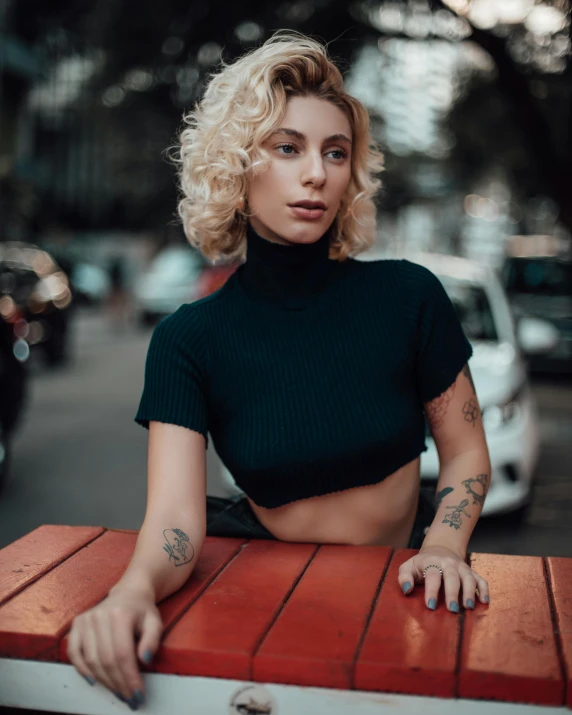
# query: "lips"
310,205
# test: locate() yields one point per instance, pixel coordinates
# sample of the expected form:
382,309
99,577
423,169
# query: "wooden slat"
217,637
33,555
408,648
560,575
314,640
215,554
509,650
32,622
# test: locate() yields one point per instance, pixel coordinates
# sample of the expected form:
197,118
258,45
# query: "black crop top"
309,374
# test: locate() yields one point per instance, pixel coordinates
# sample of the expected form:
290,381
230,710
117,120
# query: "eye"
341,153
287,146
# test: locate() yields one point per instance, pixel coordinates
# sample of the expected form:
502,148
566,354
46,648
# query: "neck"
291,277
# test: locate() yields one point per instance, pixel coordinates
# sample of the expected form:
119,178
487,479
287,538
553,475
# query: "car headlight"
496,416
53,287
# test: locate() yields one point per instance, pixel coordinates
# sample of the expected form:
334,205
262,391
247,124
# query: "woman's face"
310,161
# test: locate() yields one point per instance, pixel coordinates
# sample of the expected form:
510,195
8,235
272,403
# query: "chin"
302,233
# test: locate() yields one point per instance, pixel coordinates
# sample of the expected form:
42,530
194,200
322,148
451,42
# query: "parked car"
177,275
498,367
36,291
90,283
509,411
13,386
541,287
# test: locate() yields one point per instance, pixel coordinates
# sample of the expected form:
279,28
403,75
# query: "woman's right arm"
101,644
176,500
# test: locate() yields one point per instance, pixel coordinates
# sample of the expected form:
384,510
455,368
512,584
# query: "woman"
313,372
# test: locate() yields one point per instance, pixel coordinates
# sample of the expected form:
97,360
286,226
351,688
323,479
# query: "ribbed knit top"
309,374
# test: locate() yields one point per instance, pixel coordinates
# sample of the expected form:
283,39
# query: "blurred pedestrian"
119,300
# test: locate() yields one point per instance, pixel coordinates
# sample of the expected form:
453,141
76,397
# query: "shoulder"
192,318
364,269
420,284
416,273
398,274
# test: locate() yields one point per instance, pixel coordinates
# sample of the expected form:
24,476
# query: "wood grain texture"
302,614
408,648
560,578
219,634
33,555
32,623
314,640
509,649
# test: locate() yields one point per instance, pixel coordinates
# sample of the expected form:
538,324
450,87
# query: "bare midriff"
377,514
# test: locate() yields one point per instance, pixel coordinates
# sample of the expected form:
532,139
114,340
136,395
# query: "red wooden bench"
266,627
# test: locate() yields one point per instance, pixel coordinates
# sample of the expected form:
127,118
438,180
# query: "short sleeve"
175,387
442,348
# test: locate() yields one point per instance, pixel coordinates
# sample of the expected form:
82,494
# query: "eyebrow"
302,137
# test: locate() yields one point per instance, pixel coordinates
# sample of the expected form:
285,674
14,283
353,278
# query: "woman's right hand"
102,642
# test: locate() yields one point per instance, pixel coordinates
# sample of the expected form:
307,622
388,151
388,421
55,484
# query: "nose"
313,171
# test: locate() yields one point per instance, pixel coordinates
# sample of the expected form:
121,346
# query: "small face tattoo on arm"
178,547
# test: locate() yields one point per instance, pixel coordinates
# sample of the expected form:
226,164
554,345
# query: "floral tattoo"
471,411
454,518
178,547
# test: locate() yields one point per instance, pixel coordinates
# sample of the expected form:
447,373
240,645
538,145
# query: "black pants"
234,517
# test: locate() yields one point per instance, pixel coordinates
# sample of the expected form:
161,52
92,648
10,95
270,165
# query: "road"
79,457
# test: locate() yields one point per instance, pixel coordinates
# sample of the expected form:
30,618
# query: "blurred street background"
471,102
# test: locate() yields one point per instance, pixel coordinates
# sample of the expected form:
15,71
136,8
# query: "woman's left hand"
456,573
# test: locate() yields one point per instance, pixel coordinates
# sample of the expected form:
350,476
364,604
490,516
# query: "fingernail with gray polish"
454,607
486,599
470,603
138,697
406,587
89,679
133,704
432,603
147,656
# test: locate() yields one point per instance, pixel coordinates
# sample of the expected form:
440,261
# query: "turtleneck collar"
290,277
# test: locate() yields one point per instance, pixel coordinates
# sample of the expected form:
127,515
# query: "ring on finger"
432,566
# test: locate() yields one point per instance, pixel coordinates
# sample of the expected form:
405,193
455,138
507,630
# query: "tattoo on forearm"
437,408
471,411
440,496
467,374
454,518
477,487
178,547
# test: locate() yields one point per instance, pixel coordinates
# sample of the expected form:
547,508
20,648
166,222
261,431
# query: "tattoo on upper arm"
467,374
178,547
454,518
471,411
441,495
478,487
437,408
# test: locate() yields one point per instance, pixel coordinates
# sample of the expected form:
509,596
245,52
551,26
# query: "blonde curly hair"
221,145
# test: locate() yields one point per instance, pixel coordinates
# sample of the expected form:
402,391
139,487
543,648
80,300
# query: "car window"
538,276
473,308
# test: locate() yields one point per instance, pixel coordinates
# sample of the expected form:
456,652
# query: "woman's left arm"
464,478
